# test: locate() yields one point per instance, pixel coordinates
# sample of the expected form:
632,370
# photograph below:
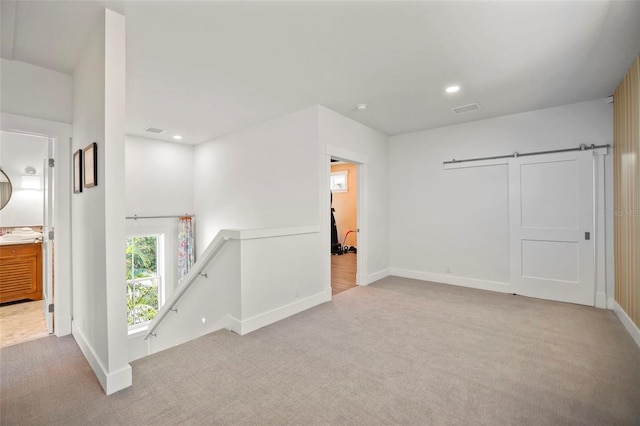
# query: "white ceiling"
204,69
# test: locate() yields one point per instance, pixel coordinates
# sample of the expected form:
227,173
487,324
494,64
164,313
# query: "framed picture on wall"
91,165
77,171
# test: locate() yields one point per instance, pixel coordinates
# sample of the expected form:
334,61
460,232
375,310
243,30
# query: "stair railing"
196,272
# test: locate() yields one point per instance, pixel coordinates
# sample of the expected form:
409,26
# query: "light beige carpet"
397,352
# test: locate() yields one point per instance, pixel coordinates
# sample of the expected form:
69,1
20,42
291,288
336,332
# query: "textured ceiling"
204,69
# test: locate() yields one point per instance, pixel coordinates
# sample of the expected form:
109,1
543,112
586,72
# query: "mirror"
5,189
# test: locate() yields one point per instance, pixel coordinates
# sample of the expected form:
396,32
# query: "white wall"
18,151
265,176
159,182
341,135
276,175
99,300
159,177
278,275
36,92
459,218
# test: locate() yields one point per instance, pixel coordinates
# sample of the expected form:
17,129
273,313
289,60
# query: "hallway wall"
35,92
453,225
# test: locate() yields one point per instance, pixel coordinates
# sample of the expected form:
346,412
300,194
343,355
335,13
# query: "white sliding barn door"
551,210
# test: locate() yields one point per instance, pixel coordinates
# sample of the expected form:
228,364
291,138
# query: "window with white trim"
145,289
339,181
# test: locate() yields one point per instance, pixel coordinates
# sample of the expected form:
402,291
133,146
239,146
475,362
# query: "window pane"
128,253
142,300
142,279
144,251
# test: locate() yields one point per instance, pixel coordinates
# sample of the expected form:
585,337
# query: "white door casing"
361,161
47,243
551,210
61,134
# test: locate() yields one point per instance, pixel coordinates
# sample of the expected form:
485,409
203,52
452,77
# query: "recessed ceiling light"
177,137
452,89
361,106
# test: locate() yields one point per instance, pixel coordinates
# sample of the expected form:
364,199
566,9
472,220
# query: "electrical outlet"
448,269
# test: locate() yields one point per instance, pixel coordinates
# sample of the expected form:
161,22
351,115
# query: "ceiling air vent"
153,130
465,108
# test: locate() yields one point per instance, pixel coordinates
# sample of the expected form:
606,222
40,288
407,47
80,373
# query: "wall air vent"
153,130
465,108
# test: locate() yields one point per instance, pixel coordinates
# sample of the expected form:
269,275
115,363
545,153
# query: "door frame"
60,133
360,161
48,245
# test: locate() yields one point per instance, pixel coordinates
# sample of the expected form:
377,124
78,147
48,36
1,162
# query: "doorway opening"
344,225
26,252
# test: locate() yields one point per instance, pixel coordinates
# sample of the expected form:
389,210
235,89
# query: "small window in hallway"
339,181
144,280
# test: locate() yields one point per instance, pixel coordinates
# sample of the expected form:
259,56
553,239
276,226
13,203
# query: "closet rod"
582,147
136,217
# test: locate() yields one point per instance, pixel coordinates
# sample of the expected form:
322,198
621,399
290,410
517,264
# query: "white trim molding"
61,133
248,325
601,300
252,234
629,325
498,286
110,382
375,276
346,155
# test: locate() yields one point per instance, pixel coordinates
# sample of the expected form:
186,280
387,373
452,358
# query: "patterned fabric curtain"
185,246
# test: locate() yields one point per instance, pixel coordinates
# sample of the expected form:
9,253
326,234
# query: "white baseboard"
452,279
377,276
234,324
610,302
138,347
328,294
110,382
601,300
248,325
633,329
119,379
62,325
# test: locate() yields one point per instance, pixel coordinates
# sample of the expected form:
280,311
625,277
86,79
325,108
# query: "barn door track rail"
582,147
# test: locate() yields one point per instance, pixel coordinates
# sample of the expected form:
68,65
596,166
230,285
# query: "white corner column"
98,225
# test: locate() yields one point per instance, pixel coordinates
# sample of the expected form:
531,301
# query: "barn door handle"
587,235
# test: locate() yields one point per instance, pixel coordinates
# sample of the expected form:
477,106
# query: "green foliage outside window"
142,279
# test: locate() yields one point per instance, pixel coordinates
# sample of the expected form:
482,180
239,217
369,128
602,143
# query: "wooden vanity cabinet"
20,272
